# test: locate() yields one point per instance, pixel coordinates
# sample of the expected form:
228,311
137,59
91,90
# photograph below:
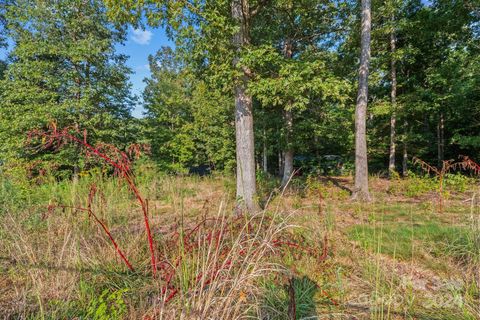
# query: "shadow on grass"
337,182
52,267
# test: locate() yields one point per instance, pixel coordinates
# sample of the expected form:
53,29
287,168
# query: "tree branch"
261,4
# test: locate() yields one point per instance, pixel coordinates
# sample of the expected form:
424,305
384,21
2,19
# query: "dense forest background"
302,61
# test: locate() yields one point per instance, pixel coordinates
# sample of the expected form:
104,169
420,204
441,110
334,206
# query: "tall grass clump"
214,271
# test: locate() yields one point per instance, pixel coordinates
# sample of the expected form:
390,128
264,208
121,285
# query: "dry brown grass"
53,257
56,265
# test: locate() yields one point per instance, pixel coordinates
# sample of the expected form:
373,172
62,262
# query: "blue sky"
139,45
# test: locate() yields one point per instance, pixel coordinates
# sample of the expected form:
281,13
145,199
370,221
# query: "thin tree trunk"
439,151
265,153
440,140
405,160
361,163
442,135
393,98
280,163
288,153
246,187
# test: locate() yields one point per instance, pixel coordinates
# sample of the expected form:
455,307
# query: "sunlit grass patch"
413,240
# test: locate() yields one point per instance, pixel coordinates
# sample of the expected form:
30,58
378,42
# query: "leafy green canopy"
203,30
437,73
64,69
188,123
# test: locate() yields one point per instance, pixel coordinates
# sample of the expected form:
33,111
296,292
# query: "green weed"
110,305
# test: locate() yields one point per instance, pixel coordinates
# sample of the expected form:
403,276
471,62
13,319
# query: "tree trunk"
405,160
361,163
280,163
440,140
265,153
288,153
246,187
393,97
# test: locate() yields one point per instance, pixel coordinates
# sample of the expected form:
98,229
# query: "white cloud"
142,37
141,68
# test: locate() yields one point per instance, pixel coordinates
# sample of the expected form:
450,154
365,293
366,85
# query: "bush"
458,182
419,185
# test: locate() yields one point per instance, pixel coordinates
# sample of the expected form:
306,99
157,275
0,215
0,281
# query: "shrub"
458,182
419,185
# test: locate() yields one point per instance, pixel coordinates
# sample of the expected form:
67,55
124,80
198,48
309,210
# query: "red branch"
108,153
104,227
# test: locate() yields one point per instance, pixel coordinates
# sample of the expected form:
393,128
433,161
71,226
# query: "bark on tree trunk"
440,140
280,163
361,192
405,160
393,97
265,153
288,153
246,187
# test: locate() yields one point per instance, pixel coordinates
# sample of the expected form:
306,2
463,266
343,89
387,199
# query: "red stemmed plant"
439,173
465,163
119,160
91,196
219,234
468,164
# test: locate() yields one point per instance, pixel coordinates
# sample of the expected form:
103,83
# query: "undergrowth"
77,249
59,255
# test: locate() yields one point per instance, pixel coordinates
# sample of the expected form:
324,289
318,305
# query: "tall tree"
64,69
3,32
360,191
393,98
188,123
246,185
292,36
167,101
437,78
214,37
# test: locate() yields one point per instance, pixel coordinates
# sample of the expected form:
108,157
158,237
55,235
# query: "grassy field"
311,250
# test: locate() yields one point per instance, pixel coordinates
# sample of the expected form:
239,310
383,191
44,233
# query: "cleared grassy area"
394,258
404,241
